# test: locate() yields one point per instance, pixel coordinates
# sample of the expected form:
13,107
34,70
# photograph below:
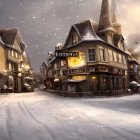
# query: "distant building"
12,62
134,72
43,71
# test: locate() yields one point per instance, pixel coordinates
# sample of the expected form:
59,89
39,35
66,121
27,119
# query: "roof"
45,63
134,60
8,35
87,30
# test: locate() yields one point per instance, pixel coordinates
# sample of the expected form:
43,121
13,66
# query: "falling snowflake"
11,18
21,22
52,3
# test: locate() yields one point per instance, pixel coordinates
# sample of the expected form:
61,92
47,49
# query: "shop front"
92,82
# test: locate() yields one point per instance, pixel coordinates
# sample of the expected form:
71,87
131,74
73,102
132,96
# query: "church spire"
114,13
105,23
114,17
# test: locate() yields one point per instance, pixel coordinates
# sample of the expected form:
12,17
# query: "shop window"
104,83
102,54
91,54
72,88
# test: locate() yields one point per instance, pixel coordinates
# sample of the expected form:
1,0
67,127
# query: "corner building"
101,68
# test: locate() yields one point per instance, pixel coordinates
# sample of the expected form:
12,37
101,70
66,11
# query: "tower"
114,18
105,29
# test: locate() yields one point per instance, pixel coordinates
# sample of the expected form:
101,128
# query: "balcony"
13,59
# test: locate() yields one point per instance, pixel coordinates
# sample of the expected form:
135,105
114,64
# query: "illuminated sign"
62,54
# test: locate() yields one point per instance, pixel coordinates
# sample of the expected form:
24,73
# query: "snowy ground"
44,116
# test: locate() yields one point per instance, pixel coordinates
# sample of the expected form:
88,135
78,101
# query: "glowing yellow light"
79,77
94,77
27,67
76,62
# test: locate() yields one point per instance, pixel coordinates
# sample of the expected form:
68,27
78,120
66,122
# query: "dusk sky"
44,23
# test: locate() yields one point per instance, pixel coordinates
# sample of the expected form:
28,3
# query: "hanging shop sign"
61,54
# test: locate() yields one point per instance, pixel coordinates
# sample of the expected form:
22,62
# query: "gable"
84,31
44,64
73,38
17,44
8,36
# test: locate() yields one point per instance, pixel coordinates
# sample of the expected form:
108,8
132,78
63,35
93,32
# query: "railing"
93,94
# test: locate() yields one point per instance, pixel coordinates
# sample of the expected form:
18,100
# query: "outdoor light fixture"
94,77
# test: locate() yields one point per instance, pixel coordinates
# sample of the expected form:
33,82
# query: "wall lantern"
94,77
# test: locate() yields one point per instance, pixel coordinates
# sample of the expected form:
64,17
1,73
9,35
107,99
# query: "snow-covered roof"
8,35
45,62
107,29
87,30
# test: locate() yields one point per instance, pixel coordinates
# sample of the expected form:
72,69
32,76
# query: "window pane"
91,54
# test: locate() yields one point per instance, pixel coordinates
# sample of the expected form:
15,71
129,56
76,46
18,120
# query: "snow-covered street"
45,116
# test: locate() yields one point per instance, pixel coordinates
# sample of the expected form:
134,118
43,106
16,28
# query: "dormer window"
75,39
120,45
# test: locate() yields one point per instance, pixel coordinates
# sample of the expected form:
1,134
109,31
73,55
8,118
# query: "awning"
72,81
134,83
29,78
138,85
3,73
56,80
27,85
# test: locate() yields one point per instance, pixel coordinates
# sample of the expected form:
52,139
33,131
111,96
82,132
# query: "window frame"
90,55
